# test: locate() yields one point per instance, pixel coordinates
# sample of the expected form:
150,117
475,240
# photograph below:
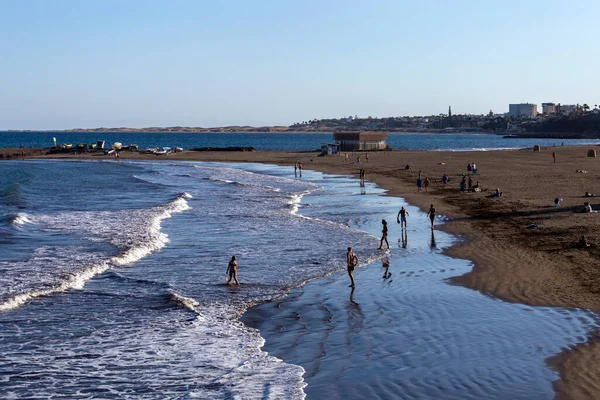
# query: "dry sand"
513,261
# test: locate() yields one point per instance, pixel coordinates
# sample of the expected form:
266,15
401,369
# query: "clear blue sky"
88,63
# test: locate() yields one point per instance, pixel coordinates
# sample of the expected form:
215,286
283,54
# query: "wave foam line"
20,219
153,242
75,281
183,301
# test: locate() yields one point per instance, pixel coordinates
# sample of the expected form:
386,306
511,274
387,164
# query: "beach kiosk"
360,140
329,149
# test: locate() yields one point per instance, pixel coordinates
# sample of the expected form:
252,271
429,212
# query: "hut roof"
359,135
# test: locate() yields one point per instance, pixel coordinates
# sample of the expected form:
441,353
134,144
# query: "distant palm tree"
586,108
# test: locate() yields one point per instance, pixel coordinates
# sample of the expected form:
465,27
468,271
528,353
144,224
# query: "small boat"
162,151
117,145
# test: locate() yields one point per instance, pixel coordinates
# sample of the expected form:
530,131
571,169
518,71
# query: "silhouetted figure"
431,214
352,261
232,270
384,234
401,218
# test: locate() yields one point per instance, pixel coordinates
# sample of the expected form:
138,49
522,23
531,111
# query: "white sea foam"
75,280
183,301
21,219
137,233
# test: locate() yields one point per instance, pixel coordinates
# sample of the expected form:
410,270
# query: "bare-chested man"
352,261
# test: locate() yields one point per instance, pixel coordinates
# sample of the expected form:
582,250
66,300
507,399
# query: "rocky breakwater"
21,152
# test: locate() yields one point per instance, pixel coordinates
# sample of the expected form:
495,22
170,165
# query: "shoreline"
512,262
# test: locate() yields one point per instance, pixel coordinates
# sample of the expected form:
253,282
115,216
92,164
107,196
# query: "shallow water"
412,334
113,286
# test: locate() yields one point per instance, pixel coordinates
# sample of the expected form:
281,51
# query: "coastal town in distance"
555,120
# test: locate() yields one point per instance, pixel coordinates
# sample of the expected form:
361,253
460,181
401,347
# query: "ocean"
113,286
276,141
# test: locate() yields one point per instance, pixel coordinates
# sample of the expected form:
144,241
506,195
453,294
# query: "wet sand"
514,261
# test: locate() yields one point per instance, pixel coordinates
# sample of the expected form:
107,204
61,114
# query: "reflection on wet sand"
432,244
355,320
385,263
404,238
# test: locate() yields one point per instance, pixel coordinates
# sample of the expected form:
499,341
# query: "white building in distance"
522,109
566,108
549,108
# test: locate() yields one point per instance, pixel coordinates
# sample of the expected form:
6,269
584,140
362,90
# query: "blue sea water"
112,282
275,141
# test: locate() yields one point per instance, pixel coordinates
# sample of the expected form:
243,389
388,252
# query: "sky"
139,63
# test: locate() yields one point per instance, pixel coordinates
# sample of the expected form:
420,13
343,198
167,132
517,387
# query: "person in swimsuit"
232,270
384,234
419,183
426,183
352,261
401,217
431,214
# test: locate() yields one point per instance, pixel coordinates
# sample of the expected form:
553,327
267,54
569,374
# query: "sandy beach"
522,246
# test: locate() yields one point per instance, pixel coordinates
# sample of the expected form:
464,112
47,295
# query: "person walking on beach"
401,218
384,234
554,156
426,183
419,183
232,270
367,157
295,169
444,180
431,214
352,261
300,169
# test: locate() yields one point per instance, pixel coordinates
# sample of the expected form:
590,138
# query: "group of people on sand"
352,258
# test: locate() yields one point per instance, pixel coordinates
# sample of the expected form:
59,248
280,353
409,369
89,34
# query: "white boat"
162,151
117,145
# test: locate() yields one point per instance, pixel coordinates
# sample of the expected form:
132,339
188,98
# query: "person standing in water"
352,261
431,214
401,218
232,270
384,234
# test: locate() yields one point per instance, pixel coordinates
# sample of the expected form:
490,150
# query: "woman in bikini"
232,270
384,235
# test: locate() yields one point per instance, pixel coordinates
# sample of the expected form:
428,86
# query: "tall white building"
524,109
549,108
